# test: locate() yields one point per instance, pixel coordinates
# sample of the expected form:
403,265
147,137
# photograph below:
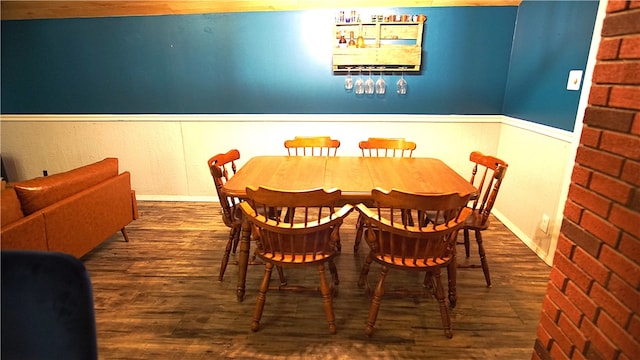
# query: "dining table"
354,176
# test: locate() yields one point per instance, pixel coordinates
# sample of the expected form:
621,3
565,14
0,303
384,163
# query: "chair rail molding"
375,118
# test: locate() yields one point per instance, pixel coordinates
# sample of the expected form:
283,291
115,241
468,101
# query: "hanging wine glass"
359,85
402,85
381,86
369,85
348,81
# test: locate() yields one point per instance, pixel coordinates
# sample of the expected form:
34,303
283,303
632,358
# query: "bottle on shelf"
342,43
352,41
360,41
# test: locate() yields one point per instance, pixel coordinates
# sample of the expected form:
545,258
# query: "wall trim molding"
542,254
559,134
552,132
176,198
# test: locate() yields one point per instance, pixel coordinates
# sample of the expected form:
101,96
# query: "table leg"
243,257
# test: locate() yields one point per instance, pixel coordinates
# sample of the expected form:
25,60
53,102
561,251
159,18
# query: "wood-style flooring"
158,297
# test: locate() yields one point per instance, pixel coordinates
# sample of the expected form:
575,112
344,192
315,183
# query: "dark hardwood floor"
157,297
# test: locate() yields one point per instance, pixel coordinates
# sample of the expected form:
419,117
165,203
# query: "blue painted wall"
551,38
259,62
476,60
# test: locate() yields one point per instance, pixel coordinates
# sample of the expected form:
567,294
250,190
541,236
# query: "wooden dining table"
354,176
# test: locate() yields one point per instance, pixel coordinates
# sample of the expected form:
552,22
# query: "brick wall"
591,307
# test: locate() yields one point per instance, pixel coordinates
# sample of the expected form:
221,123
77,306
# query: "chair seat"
474,222
420,264
289,259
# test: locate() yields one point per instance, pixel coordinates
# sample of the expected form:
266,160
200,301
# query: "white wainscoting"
167,154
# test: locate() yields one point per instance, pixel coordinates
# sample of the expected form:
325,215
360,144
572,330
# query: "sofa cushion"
11,210
38,193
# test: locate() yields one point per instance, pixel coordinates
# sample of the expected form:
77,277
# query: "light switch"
575,78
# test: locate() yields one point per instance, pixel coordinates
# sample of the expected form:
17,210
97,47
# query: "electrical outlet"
544,223
575,78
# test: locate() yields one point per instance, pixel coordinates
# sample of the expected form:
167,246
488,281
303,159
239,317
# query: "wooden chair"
219,166
381,147
426,246
305,236
387,147
312,146
486,176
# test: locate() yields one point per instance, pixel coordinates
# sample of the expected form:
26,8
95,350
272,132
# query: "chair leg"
359,230
466,242
375,303
327,300
362,280
334,274
452,280
427,283
243,258
124,234
227,250
483,258
283,279
406,217
236,240
444,311
262,297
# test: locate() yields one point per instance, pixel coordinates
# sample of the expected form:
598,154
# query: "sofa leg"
124,233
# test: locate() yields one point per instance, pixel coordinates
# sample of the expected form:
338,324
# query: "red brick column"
592,303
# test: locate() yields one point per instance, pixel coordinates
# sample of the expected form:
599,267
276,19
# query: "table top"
354,176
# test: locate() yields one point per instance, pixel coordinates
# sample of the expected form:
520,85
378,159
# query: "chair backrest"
411,230
47,307
295,226
220,166
312,146
387,147
486,176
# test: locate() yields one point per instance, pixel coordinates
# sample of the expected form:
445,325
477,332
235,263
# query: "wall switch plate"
575,80
544,223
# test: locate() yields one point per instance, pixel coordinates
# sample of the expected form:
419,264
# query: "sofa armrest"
28,233
134,204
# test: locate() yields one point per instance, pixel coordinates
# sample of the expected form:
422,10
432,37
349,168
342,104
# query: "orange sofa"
71,212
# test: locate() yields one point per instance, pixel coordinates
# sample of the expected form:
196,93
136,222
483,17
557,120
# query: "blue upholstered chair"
47,307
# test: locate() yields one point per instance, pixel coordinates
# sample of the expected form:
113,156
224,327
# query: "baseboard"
177,198
542,254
